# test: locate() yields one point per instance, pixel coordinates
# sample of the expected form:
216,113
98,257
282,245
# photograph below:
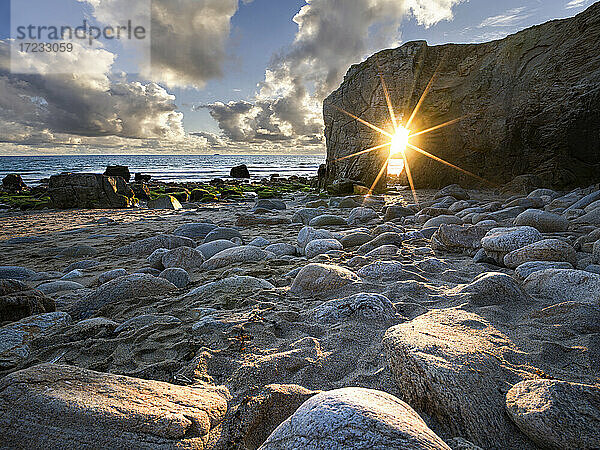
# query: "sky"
215,76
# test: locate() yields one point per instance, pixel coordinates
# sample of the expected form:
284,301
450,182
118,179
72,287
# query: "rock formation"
529,103
88,190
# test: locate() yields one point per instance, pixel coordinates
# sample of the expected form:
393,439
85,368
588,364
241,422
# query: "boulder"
443,219
17,301
355,239
111,275
387,271
498,242
142,178
543,221
118,171
320,246
195,231
52,287
383,239
397,212
120,289
496,85
458,238
235,255
360,215
456,367
320,279
240,171
556,414
308,234
100,410
596,252
545,250
492,288
229,234
13,183
166,202
210,249
281,249
454,190
15,337
15,273
352,418
147,246
230,291
362,306
270,203
526,269
88,190
563,285
327,220
182,257
179,277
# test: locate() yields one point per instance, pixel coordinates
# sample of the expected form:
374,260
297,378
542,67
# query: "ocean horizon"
165,168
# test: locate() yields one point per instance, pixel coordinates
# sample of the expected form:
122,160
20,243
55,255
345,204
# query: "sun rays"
400,137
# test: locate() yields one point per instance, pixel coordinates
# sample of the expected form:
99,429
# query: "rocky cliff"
530,102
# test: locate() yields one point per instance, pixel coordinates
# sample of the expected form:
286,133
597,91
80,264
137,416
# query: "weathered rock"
260,242
316,279
78,251
387,271
353,418
99,410
355,239
556,414
166,202
73,274
17,301
281,249
596,252
251,220
231,291
240,171
195,231
435,222
383,239
305,215
384,250
592,218
118,171
179,277
147,246
111,275
182,257
15,273
363,306
543,221
544,250
212,248
563,285
270,204
235,255
15,337
155,258
456,367
320,246
123,288
82,265
141,191
397,212
13,183
492,288
526,269
229,234
458,238
53,287
308,234
498,242
326,220
362,215
87,190
497,84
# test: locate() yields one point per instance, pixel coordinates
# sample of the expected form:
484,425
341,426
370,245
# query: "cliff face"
530,102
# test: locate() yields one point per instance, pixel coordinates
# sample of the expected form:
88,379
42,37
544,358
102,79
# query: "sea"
166,168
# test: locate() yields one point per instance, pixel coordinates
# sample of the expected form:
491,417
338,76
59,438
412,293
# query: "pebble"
281,249
260,242
308,234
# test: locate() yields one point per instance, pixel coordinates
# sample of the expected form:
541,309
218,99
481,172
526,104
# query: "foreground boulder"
89,190
58,406
456,367
564,285
556,414
497,84
354,418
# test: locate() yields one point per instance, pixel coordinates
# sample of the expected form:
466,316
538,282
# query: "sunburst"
399,142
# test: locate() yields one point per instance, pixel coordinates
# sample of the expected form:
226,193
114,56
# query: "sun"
399,142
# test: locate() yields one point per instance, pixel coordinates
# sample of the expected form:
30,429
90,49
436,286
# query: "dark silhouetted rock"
141,178
240,172
529,104
13,183
88,190
118,171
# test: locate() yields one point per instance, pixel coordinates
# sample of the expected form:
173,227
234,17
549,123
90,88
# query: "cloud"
576,4
331,35
95,104
511,18
188,37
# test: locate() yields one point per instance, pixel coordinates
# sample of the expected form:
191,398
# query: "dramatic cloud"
510,18
93,104
188,36
332,35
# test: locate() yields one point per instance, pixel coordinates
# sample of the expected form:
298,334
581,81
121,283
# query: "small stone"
281,249
556,414
352,418
53,287
327,220
316,279
179,277
386,271
362,215
526,269
543,221
563,285
235,255
111,275
182,257
545,250
195,231
166,202
436,222
229,234
212,248
320,246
